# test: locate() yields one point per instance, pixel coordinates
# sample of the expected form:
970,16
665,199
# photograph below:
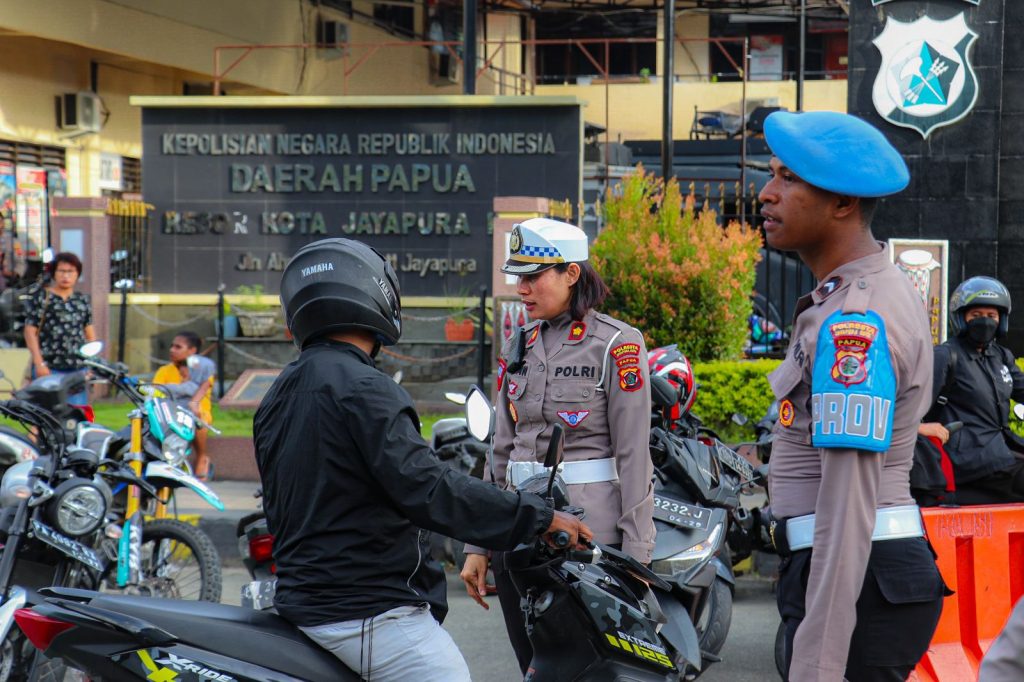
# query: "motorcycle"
696,498
51,506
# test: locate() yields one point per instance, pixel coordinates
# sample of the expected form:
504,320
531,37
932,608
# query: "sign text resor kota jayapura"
237,190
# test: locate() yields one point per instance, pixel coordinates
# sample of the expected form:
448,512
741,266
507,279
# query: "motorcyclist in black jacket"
348,482
975,378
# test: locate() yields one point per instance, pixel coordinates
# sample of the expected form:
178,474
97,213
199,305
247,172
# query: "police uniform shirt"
854,385
590,376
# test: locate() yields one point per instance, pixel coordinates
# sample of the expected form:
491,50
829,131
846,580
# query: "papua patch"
513,387
926,79
786,413
577,331
852,340
625,349
512,411
573,419
533,336
630,379
502,366
628,361
830,286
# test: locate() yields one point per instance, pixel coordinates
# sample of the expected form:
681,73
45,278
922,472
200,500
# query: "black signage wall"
967,163
238,190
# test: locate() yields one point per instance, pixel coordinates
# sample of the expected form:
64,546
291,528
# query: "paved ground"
480,634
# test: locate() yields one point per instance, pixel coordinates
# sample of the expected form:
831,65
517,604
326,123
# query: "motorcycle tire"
716,618
196,542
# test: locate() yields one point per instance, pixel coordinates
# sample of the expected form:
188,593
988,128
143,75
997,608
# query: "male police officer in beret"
859,592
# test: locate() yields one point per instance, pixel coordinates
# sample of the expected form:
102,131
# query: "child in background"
189,376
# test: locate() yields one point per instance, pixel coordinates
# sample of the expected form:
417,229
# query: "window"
561,63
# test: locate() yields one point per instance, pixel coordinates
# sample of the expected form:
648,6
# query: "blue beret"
837,152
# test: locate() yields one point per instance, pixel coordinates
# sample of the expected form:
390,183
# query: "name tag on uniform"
853,384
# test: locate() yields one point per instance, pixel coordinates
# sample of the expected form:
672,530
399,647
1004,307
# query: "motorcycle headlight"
174,449
78,507
690,557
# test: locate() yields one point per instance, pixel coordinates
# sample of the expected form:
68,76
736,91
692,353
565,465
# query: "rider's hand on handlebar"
579,533
934,430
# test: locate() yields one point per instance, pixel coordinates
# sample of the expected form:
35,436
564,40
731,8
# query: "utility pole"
668,81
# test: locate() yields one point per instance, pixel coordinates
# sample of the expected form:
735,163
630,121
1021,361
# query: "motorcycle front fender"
163,474
679,630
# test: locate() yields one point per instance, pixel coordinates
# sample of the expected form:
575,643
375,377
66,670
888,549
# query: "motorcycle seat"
257,637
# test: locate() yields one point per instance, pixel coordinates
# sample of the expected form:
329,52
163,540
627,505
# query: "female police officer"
583,370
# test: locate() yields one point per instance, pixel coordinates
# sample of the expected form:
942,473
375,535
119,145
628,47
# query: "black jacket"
348,482
979,396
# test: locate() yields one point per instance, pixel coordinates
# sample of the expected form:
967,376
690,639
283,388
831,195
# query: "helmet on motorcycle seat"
975,292
669,362
335,284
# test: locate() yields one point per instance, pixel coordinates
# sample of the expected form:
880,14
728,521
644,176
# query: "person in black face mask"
975,378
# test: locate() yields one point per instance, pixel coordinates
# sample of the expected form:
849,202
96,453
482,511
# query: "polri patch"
512,411
852,340
577,331
625,349
573,419
787,413
502,366
533,336
630,379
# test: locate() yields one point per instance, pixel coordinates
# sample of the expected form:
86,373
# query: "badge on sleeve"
853,384
630,379
502,366
786,413
626,350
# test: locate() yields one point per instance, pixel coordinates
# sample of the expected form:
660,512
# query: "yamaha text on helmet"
979,291
337,284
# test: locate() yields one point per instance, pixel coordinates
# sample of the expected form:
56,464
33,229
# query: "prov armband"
853,384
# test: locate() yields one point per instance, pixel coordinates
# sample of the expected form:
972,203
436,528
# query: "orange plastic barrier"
981,557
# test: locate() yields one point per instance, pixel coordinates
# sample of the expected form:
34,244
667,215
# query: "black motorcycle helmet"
979,291
335,284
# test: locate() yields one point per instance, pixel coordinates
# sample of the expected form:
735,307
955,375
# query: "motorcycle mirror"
662,392
1018,411
398,376
739,419
479,415
554,455
457,398
47,256
91,349
773,411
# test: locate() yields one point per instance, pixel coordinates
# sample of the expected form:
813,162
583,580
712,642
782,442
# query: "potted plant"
255,317
461,323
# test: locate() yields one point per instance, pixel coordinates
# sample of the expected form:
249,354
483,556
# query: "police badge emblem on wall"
926,80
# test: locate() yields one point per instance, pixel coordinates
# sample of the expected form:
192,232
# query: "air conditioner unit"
81,111
331,36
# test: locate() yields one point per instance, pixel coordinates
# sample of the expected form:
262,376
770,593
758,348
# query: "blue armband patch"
853,384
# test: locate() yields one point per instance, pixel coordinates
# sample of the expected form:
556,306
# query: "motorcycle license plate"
72,548
259,594
682,514
735,462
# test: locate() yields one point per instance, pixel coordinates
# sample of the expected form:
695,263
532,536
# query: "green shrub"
728,386
678,277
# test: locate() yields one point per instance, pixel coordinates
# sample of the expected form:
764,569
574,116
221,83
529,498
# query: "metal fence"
130,245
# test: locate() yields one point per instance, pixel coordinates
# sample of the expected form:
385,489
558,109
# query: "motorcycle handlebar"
953,427
560,539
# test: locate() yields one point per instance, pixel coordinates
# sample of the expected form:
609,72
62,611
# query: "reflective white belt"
573,473
891,523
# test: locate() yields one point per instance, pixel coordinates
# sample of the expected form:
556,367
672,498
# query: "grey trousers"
405,643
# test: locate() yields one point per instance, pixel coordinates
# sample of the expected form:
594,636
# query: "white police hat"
540,243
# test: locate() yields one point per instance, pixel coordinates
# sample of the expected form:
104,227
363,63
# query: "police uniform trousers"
897,612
